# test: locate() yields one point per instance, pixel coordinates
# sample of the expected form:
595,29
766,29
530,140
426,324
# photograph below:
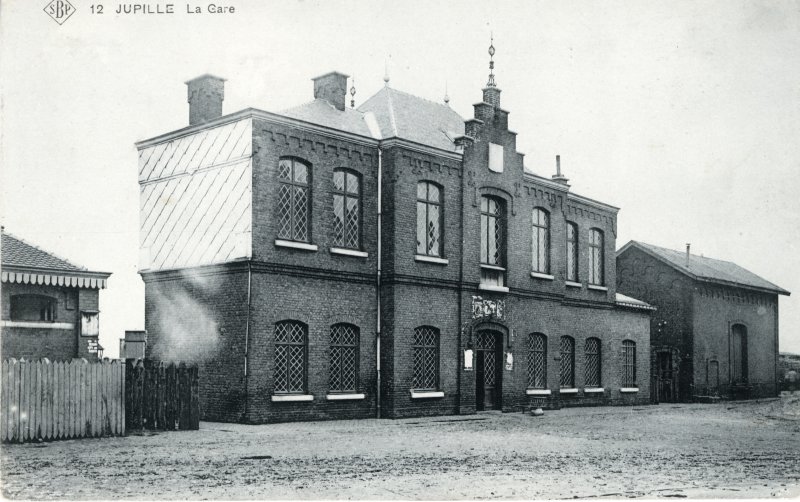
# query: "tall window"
537,361
596,257
429,219
293,200
629,363
33,308
290,357
541,241
567,369
493,241
572,252
344,358
426,358
592,354
346,209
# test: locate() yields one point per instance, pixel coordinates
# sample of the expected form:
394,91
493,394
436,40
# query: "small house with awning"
50,306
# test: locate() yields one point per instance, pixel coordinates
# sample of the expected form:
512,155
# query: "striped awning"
55,279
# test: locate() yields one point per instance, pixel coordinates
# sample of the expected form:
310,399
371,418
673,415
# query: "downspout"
247,342
378,293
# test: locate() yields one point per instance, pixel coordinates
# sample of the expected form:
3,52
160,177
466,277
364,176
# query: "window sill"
344,397
538,392
426,394
593,390
288,398
493,267
431,259
597,288
349,252
539,275
629,390
487,287
37,324
568,391
571,284
296,245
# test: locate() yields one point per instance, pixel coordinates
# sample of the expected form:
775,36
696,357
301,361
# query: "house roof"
416,119
706,269
627,301
27,264
322,113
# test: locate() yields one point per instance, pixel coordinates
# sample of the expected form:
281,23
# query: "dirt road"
731,450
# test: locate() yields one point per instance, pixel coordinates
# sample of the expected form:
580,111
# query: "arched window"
628,363
567,369
493,241
596,273
290,357
429,219
426,358
344,358
540,244
33,308
572,252
537,361
592,354
346,209
294,200
738,353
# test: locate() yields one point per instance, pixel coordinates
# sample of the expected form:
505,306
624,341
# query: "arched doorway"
488,370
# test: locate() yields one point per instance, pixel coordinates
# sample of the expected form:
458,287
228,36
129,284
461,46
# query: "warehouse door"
488,370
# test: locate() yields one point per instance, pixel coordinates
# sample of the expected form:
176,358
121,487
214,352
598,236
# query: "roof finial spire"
446,96
491,82
385,73
353,94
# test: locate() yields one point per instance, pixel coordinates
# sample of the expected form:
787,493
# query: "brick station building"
391,259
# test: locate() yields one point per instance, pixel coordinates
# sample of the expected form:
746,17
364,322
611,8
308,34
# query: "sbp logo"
59,10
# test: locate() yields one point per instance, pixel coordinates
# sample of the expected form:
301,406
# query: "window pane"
338,220
338,180
352,183
421,228
300,173
484,238
285,169
300,230
433,192
285,212
433,230
351,223
422,190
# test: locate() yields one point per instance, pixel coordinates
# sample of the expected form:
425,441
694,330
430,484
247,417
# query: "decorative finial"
491,82
353,94
446,97
385,73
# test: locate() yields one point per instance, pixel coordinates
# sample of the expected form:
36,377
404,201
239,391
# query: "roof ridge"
54,255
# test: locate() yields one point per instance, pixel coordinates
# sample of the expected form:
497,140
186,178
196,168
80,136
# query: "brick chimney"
332,87
206,93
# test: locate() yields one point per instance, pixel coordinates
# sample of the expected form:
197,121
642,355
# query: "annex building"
50,306
393,259
715,333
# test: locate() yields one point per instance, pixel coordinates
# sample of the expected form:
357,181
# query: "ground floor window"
290,357
592,351
344,358
426,358
629,363
33,308
567,362
537,361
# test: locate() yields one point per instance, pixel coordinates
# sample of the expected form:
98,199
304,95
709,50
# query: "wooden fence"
161,396
61,400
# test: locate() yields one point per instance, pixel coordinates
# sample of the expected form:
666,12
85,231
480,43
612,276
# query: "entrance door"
488,370
666,378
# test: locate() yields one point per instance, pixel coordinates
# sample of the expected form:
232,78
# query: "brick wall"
36,343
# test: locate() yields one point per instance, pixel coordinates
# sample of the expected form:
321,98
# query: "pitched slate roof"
706,269
416,119
18,253
322,113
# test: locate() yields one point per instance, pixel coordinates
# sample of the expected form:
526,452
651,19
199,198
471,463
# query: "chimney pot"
332,87
688,247
206,94
558,177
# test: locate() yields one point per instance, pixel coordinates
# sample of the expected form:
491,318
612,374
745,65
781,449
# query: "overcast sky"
684,114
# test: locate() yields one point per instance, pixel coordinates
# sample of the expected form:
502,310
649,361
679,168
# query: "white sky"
684,114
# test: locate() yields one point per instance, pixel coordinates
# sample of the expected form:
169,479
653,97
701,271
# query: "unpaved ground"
731,450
